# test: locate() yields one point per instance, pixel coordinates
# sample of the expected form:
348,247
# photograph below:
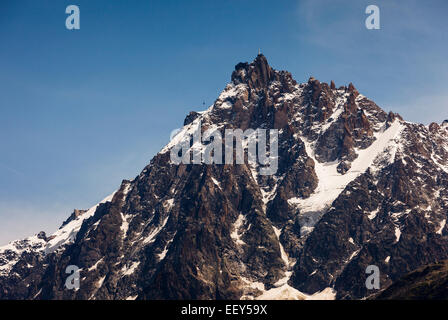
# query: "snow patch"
151,237
127,271
168,204
397,233
441,226
354,254
289,293
124,224
235,235
95,265
283,254
162,255
100,282
373,214
216,182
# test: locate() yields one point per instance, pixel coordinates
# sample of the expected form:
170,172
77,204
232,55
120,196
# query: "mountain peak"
354,187
257,74
260,58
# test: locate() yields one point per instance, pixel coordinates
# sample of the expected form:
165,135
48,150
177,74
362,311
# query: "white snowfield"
30,244
286,292
331,183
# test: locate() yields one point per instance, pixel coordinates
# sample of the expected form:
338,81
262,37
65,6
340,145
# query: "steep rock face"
355,186
393,218
427,282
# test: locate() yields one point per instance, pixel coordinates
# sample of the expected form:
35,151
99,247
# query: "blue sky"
82,110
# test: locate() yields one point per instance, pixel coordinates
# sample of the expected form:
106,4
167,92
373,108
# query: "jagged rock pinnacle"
257,74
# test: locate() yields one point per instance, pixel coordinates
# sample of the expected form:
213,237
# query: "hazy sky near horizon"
81,110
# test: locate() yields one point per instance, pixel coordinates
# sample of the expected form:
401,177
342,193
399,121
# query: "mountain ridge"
355,186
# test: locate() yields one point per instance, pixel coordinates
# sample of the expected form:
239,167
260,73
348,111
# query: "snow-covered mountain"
355,186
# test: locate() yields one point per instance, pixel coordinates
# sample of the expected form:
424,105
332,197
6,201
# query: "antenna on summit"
259,51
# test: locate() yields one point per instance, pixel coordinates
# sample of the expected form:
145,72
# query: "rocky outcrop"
426,283
75,215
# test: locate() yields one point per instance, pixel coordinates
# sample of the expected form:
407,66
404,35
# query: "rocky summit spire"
257,74
332,85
